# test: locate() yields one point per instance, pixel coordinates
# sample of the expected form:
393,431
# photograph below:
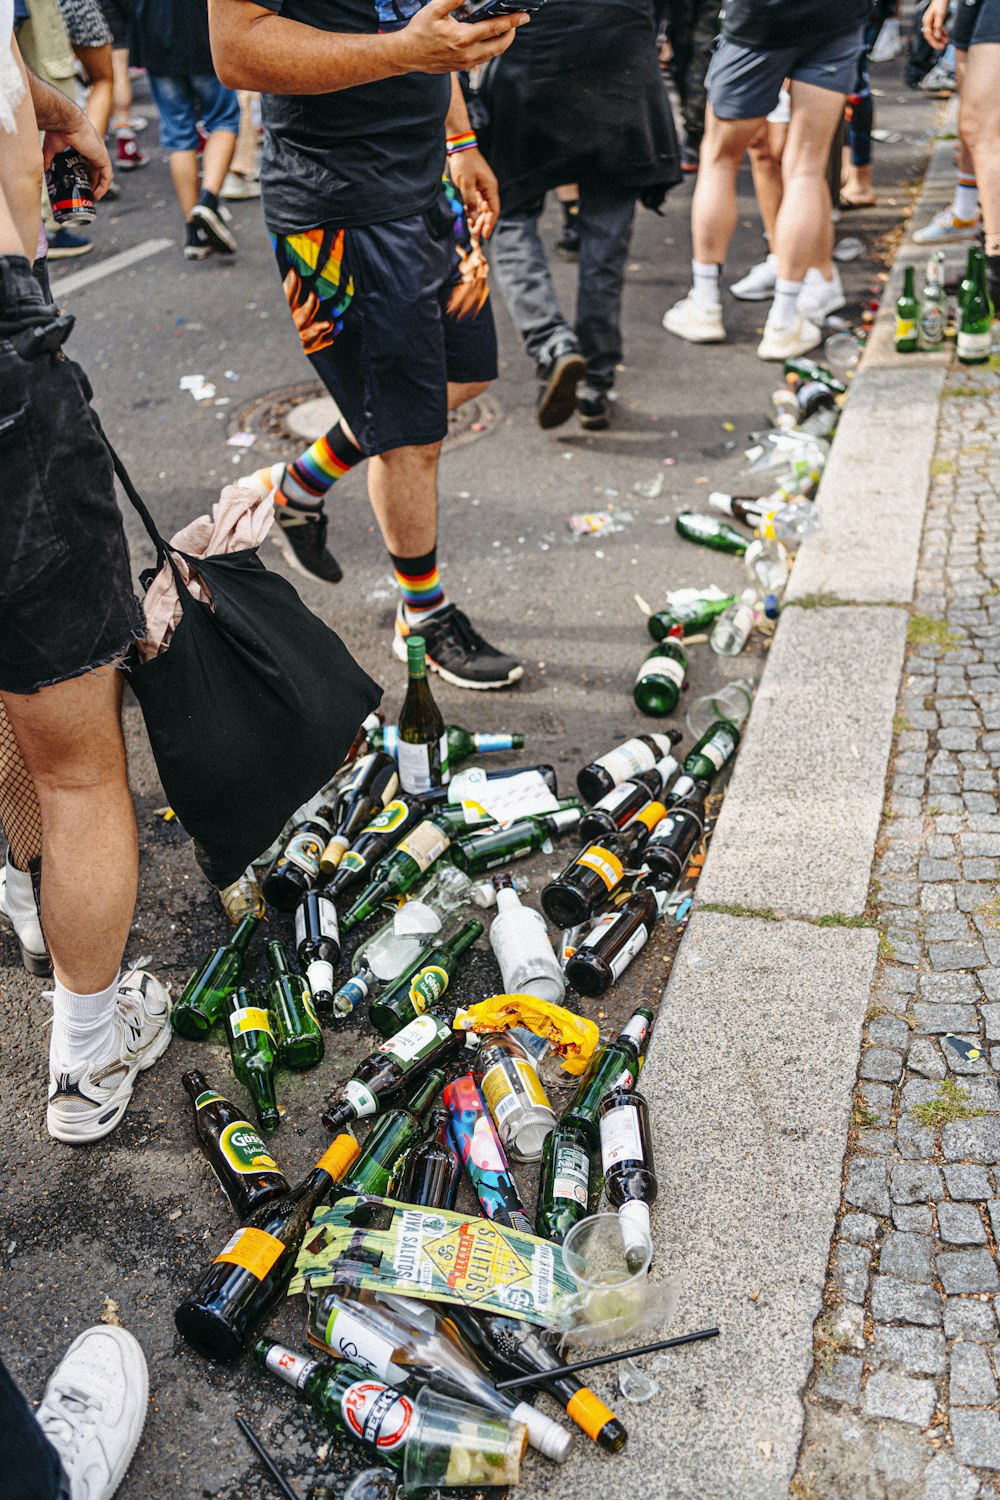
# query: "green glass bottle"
569,1186
398,818
401,868
254,1053
661,678
975,322
211,984
694,618
907,315
713,752
461,742
408,997
807,369
383,1157
711,532
975,257
422,747
615,1066
475,853
296,1027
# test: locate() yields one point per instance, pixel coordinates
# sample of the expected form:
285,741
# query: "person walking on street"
387,293
960,220
815,45
691,29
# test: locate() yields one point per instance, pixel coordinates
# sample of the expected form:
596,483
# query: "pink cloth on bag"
240,520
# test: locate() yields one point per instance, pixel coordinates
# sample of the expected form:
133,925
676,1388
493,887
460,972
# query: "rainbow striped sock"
965,204
328,459
419,583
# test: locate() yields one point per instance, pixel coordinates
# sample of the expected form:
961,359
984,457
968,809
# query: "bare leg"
122,91
979,128
402,486
245,155
713,207
184,175
216,159
802,227
765,165
100,71
458,394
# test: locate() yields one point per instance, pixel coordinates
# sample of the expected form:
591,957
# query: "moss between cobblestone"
923,631
951,1103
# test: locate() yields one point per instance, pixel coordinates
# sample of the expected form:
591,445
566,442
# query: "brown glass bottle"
246,1171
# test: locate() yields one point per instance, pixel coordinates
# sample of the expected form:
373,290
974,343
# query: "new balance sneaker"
65,245
759,282
19,913
94,1409
593,407
558,378
946,227
781,342
88,1100
819,297
456,651
127,154
301,535
212,219
695,322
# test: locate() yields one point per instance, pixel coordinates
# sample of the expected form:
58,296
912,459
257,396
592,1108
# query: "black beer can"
70,193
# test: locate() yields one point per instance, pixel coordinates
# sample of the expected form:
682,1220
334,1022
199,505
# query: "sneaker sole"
279,539
694,338
788,353
69,254
192,252
558,401
78,1134
946,236
594,424
751,296
515,675
216,230
130,166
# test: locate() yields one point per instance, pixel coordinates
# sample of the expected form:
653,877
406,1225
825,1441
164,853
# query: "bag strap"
163,552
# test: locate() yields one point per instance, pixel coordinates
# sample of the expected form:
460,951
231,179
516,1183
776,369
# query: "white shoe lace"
72,1412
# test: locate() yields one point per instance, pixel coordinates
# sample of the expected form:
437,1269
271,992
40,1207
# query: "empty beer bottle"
615,1066
713,751
749,509
934,305
243,897
211,984
669,847
597,871
406,998
975,257
478,852
433,1170
253,1051
907,315
766,564
456,793
710,532
400,869
381,1161
629,1169
461,742
249,1275
392,1067
694,616
637,754
422,748
660,679
296,868
374,783
975,322
604,953
569,1187
398,818
520,942
244,1168
808,369
317,946
620,805
296,1026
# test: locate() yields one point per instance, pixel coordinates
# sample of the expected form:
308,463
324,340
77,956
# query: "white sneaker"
86,1102
94,1409
819,297
888,43
945,227
236,187
940,77
759,282
695,322
780,342
19,912
264,481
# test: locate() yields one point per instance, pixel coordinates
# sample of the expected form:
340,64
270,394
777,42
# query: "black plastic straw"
266,1459
538,1376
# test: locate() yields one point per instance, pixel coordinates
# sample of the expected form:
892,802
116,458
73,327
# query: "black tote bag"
250,709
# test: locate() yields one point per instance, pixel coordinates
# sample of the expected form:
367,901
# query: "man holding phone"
386,288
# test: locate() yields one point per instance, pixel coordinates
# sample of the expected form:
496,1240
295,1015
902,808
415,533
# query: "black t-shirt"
770,24
357,156
170,36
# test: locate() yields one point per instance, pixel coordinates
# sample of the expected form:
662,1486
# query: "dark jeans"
693,27
30,1468
522,271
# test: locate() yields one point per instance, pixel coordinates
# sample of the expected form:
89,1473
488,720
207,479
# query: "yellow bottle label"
253,1249
906,328
339,1156
428,986
603,863
532,1082
250,1018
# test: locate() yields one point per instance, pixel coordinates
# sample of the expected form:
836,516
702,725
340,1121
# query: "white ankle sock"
965,204
705,284
783,308
414,616
83,1025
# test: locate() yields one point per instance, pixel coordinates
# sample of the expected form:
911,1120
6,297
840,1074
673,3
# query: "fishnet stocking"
20,815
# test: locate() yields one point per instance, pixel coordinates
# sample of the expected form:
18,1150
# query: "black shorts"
116,15
388,314
66,599
985,24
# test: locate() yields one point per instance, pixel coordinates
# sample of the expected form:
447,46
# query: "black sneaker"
557,381
457,652
210,217
301,535
593,407
197,245
568,243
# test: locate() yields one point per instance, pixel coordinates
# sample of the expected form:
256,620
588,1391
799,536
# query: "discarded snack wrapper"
573,1037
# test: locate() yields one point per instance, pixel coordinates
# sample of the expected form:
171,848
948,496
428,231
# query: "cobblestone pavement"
903,1402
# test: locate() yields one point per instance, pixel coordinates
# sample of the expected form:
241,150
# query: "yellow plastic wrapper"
574,1038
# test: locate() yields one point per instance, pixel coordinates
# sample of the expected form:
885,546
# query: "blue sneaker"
65,245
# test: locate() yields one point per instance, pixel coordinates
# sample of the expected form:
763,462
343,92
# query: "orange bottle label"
253,1249
589,1412
339,1156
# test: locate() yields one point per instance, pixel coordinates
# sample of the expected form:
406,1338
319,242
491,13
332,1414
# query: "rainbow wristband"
465,142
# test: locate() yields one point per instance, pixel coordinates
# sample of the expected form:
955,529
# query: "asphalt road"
136,1218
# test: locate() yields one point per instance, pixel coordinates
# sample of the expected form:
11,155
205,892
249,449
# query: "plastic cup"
453,1443
615,1297
842,352
731,702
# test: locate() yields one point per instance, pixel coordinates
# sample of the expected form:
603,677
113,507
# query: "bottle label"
351,1338
207,1098
620,1138
571,1174
501,1094
361,1099
428,986
637,1031
249,1018
289,1366
973,343
424,844
319,976
327,924
603,863
414,767
330,858
254,1250
719,748
701,526
621,960
615,797
931,323
662,666
415,1040
339,1156
352,861
353,991
244,1150
627,760
392,814
376,1414
906,328
531,1082
487,743
303,850
600,927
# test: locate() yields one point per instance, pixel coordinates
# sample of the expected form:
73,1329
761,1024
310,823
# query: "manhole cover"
284,420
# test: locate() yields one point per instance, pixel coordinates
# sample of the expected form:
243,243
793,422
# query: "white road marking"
63,284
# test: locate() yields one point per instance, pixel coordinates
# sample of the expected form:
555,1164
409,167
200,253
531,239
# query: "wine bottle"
694,617
640,753
520,943
713,752
398,818
317,946
710,532
399,870
433,1170
461,742
479,1146
477,853
296,868
597,871
453,793
244,1168
374,783
670,844
296,1026
211,984
422,748
253,1052
620,805
614,1066
605,952
380,1165
513,1094
907,315
661,678
569,1186
410,996
629,1169
249,1275
391,1067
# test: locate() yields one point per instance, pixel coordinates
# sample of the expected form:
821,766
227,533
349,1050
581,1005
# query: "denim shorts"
744,83
987,24
66,599
184,99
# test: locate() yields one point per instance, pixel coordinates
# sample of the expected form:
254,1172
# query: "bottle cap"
651,814
416,652
338,1158
543,1433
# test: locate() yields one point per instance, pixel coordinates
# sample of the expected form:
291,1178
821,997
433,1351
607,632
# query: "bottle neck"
195,1083
240,939
277,960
